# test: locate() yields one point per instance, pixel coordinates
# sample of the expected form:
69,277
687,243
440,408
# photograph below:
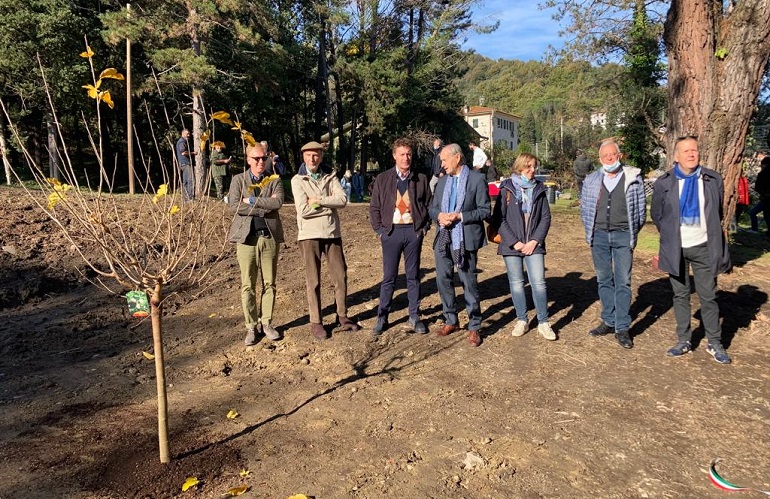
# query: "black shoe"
381,326
601,330
624,339
418,326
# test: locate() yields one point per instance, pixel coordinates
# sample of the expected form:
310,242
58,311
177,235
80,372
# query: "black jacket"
665,214
508,218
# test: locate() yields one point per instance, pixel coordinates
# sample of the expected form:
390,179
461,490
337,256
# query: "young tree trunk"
156,311
54,161
4,151
716,62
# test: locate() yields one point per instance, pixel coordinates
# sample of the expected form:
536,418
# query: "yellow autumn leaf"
53,181
204,139
236,491
148,355
92,91
232,414
162,191
107,98
211,316
223,117
62,187
237,125
53,199
88,53
174,209
244,473
111,73
248,137
190,482
298,496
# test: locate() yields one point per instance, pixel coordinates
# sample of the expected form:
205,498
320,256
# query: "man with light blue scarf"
459,207
613,211
687,210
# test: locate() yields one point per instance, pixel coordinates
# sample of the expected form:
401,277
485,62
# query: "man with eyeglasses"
613,211
687,210
317,197
256,198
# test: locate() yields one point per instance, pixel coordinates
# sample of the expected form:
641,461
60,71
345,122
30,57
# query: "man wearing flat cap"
317,196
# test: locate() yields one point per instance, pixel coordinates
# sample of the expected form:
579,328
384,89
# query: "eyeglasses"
259,158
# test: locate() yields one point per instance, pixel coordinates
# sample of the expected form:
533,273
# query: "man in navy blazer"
399,216
459,207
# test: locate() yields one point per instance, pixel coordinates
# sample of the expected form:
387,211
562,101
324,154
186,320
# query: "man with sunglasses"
256,198
317,196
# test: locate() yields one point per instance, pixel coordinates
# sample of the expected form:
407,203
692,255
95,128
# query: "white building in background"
494,127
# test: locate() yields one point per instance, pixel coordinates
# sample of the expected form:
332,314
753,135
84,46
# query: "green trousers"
258,255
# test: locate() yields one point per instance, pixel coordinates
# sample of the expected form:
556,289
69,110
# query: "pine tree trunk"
716,62
54,161
156,311
201,160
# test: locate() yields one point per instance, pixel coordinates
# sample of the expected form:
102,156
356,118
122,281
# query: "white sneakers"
519,329
544,329
546,332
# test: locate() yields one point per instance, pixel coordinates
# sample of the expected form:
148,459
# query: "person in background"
219,168
256,200
687,210
317,197
491,172
581,167
762,188
459,207
437,171
399,216
522,218
479,156
184,154
358,186
346,183
613,211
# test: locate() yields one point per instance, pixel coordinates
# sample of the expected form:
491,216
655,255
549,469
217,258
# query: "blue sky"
525,31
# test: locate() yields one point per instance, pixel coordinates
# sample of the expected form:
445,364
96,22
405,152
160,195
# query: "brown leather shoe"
346,324
446,330
474,338
319,332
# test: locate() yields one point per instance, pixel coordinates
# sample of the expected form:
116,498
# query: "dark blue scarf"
689,204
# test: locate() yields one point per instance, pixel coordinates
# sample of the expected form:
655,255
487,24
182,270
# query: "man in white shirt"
479,156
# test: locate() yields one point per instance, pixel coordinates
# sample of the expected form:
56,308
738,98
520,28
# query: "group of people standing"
686,208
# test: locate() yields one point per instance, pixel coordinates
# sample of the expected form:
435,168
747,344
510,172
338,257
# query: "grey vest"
611,210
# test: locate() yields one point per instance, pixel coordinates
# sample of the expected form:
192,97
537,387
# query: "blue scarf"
689,204
454,234
523,191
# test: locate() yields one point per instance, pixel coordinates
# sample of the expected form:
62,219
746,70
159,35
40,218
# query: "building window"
475,122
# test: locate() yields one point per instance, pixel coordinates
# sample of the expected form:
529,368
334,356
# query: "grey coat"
665,215
265,205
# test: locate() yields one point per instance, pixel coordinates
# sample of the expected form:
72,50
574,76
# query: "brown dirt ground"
398,416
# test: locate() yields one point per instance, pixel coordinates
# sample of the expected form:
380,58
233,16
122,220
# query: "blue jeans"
187,182
514,266
613,259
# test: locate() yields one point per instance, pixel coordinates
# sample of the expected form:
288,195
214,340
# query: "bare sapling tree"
151,242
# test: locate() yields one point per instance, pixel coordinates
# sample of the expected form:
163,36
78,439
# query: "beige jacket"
321,222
